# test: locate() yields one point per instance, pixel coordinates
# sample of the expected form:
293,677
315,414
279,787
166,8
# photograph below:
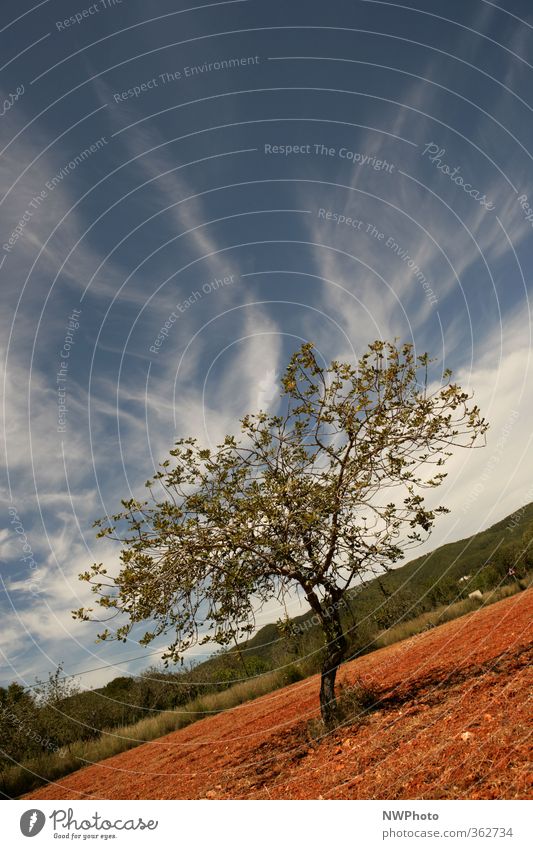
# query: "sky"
190,191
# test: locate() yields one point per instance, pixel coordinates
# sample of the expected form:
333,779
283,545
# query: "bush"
19,725
356,700
291,674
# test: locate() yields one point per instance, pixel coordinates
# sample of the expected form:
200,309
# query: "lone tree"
315,498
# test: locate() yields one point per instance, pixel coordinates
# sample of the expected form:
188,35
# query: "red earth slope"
452,723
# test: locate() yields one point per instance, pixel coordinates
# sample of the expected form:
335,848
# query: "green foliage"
326,491
18,724
311,499
52,696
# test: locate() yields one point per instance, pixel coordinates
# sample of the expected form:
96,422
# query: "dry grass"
445,613
20,779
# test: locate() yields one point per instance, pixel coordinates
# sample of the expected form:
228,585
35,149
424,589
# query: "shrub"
356,700
291,674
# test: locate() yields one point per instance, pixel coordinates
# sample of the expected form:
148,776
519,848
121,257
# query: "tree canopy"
314,498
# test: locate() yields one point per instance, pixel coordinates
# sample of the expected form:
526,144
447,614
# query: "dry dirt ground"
452,723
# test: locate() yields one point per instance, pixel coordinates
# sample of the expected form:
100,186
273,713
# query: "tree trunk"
334,652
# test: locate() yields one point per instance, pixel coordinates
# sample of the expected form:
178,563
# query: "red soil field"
452,722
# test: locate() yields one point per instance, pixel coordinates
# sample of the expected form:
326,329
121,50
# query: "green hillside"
419,585
467,556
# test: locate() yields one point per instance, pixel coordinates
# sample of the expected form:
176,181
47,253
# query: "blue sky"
187,193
